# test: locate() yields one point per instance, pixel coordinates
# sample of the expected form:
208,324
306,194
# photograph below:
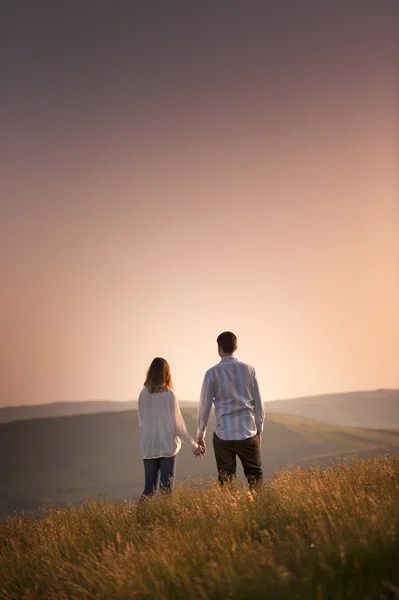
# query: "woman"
162,426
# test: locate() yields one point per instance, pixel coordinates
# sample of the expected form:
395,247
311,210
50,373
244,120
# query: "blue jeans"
156,469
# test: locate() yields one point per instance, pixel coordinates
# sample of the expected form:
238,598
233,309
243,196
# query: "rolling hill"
377,409
65,409
62,409
68,459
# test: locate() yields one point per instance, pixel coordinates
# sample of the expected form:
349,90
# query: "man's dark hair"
227,341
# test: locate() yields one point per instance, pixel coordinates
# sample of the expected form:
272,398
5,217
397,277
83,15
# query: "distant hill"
377,409
65,409
62,409
69,459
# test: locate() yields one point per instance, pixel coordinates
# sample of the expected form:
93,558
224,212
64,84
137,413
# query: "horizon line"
108,400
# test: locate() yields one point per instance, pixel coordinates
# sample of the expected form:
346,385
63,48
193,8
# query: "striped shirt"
232,387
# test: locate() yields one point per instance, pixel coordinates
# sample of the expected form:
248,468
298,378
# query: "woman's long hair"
158,377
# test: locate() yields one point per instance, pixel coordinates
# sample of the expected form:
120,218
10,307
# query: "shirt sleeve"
205,404
180,426
258,406
140,411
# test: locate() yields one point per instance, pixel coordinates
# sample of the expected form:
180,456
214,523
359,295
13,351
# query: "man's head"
227,343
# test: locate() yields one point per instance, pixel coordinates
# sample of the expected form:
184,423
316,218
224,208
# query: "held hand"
199,451
201,445
259,438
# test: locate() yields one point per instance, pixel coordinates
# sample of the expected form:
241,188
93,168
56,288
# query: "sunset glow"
241,176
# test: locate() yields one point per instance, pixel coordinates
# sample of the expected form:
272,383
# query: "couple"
232,386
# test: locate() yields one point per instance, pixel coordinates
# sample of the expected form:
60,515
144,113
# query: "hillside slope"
377,409
329,534
69,459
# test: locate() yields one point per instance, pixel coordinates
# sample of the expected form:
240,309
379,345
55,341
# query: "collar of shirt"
228,357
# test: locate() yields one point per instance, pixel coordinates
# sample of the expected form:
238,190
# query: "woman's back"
157,419
162,428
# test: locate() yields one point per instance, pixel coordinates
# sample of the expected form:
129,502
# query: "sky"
171,170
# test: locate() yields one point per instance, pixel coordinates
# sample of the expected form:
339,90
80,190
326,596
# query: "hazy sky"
170,170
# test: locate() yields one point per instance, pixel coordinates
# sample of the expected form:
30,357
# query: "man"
232,386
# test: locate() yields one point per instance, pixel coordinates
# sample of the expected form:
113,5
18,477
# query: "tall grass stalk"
306,533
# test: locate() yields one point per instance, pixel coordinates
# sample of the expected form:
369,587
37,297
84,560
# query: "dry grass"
307,533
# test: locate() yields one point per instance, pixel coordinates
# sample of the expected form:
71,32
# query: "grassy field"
306,533
69,459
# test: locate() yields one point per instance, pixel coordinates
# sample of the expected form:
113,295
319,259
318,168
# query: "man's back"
232,386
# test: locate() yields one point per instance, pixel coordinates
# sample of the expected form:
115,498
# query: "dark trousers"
160,470
248,451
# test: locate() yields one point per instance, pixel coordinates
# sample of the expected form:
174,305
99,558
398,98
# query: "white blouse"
162,425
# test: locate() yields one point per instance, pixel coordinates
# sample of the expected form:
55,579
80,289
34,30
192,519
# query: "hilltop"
305,534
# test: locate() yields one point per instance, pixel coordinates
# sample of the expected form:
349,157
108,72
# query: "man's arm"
258,406
205,405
